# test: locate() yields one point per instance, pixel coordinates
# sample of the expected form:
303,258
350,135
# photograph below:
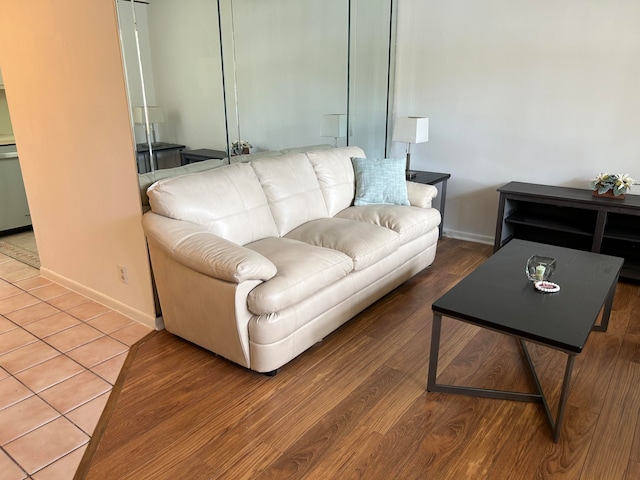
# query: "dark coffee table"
498,296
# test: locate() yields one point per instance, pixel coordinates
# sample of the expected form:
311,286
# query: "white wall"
542,92
66,93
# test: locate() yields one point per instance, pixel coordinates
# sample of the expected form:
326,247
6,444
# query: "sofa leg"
272,373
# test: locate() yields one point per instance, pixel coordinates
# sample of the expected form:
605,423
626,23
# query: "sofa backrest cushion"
145,180
228,201
292,190
334,172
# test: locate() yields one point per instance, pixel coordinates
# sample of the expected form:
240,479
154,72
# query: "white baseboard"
112,303
470,237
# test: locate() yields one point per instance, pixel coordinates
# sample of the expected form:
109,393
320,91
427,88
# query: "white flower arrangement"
616,182
240,146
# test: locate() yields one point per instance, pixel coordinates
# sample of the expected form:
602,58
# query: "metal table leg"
539,397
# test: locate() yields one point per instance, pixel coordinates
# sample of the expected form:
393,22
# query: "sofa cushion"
145,180
365,243
303,270
192,246
334,171
420,195
408,222
292,190
228,201
380,181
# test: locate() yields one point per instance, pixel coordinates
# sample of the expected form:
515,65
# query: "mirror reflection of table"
200,155
142,153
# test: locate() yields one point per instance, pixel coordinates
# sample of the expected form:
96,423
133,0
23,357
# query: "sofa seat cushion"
408,222
303,270
364,242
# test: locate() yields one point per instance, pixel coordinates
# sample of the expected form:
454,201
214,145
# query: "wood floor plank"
616,426
355,405
319,440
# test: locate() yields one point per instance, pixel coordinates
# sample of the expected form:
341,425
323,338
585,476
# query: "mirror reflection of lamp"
334,125
410,130
155,115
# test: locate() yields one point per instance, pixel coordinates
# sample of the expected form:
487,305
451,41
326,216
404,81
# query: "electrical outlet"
122,273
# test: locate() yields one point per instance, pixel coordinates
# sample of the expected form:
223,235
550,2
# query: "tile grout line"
15,462
109,391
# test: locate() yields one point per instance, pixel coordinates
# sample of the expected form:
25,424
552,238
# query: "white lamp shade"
156,114
334,125
411,130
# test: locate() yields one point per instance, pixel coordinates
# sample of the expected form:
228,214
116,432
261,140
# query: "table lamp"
334,125
411,130
154,115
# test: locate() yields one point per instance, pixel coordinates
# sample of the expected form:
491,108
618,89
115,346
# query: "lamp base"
408,173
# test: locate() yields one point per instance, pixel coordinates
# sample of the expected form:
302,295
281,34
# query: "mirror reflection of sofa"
257,261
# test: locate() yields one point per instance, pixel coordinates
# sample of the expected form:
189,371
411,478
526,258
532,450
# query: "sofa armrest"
420,194
193,246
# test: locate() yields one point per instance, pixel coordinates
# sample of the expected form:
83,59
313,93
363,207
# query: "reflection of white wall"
130,56
291,69
369,74
187,72
542,92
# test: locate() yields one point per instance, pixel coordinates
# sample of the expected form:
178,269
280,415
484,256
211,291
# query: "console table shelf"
571,217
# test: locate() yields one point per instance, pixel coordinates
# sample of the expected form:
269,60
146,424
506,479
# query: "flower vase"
608,194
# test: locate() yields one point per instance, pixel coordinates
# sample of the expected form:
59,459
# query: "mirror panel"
187,72
286,67
172,58
371,49
277,74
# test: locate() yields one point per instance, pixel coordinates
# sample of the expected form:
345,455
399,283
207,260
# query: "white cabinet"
14,209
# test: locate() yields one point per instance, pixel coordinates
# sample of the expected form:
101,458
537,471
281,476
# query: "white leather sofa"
259,261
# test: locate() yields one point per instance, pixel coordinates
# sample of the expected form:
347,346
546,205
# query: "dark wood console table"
142,151
571,217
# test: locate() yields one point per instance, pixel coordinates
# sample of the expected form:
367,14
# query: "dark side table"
434,178
142,151
192,156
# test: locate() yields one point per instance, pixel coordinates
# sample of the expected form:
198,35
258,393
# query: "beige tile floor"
60,355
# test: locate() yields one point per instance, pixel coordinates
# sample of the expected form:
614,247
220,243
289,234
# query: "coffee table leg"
557,426
433,354
606,313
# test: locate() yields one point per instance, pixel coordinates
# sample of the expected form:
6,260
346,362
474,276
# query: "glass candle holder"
540,268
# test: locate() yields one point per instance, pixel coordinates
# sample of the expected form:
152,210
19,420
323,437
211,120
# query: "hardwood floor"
355,405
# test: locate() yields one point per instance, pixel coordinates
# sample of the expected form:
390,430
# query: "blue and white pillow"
380,181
